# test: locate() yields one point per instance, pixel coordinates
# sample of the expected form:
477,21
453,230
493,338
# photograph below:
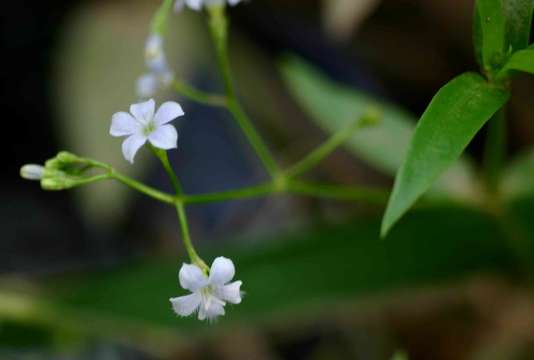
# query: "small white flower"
210,294
32,172
144,125
197,4
159,73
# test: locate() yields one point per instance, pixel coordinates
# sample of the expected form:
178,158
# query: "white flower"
209,294
159,73
143,125
197,4
32,172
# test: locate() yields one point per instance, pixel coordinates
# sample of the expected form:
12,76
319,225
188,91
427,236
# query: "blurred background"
87,274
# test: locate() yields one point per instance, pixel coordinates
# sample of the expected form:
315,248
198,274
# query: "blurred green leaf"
454,116
400,355
518,22
490,33
333,106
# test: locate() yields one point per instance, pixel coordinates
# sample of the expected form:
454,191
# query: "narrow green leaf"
518,22
490,33
452,119
333,106
522,60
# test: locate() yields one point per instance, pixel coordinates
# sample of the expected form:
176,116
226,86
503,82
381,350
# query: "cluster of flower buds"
64,171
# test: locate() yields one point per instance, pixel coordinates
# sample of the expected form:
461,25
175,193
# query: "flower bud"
32,172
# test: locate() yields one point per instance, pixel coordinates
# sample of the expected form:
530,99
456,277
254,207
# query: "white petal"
194,4
186,305
164,137
222,271
147,85
233,2
143,112
230,293
153,45
192,278
123,124
178,5
158,64
210,308
131,145
32,172
168,111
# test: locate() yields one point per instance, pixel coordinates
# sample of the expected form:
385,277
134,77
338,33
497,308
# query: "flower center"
149,128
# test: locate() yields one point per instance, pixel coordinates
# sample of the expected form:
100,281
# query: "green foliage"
518,22
490,33
333,106
454,116
522,60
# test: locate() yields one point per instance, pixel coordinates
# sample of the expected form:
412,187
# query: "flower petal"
192,278
168,111
123,124
233,2
164,137
194,4
222,271
186,305
210,308
230,293
144,111
131,145
147,85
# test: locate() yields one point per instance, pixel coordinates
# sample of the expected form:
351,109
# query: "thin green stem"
184,225
142,188
371,117
198,95
348,193
219,32
494,152
164,159
238,194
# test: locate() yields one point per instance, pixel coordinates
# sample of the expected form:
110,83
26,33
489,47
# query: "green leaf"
518,22
400,355
333,106
490,33
522,60
454,116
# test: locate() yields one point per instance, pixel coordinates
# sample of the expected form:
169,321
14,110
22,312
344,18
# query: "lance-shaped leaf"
518,22
450,122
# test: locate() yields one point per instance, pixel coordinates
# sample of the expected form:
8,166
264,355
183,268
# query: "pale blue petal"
194,4
192,278
186,305
230,293
123,124
210,308
144,111
164,137
131,145
147,86
167,112
222,271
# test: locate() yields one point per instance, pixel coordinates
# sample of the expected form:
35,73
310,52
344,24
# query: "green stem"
219,32
338,192
162,156
494,152
184,225
238,194
371,117
142,188
198,95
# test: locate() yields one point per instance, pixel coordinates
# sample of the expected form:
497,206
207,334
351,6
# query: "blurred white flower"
159,73
198,4
145,124
210,294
